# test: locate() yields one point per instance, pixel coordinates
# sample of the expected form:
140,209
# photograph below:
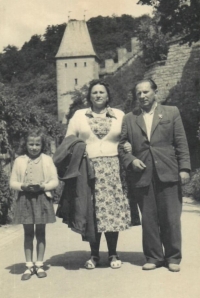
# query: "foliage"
153,42
35,57
178,17
79,101
4,143
6,197
124,80
19,115
193,187
110,33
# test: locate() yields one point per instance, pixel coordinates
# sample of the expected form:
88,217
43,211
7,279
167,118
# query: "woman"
99,127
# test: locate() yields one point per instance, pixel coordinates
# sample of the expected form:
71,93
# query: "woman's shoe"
40,272
28,273
115,262
92,262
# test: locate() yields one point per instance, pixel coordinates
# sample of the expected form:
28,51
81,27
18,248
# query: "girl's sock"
39,263
29,264
29,268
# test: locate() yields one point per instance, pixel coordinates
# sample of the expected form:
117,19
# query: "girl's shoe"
92,262
115,262
28,273
40,272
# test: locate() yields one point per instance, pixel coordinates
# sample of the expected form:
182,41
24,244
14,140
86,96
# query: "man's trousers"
160,205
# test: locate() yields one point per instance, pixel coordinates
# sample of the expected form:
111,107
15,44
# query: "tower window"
85,64
75,64
66,65
76,81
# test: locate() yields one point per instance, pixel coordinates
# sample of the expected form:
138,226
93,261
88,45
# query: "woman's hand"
85,154
127,147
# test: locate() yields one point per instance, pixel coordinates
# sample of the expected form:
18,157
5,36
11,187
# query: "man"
156,167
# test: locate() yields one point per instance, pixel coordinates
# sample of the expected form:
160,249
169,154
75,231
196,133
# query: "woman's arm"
72,128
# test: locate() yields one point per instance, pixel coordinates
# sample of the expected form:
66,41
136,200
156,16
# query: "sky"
20,19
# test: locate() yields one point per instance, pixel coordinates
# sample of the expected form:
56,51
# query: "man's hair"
151,82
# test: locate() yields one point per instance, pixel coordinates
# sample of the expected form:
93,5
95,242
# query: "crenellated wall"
123,57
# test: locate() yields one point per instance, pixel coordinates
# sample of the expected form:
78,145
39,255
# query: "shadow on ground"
191,206
75,260
20,268
192,211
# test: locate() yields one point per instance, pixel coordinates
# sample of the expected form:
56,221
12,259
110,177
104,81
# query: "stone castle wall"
178,80
73,73
123,58
180,68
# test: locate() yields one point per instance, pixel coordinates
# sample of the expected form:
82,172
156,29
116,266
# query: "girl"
34,176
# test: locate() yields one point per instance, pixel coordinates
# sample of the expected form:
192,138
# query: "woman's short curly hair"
98,82
34,132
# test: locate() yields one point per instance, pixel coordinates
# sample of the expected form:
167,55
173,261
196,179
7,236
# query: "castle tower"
76,63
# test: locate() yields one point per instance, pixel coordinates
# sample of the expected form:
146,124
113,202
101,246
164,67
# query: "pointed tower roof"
76,41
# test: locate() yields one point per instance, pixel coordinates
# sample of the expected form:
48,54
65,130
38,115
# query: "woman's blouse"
104,142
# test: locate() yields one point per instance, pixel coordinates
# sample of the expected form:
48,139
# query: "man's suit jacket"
167,149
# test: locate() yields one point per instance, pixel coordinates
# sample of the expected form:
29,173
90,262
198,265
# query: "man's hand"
185,177
127,147
138,165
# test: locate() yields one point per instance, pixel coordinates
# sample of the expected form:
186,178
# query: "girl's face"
34,146
99,96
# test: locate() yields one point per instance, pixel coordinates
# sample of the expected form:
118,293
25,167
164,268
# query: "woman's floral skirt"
111,203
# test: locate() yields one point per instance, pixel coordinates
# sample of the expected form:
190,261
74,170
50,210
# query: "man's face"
145,95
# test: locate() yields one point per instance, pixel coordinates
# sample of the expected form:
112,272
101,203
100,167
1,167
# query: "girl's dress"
34,208
111,204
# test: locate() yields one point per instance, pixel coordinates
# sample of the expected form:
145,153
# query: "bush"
192,189
6,198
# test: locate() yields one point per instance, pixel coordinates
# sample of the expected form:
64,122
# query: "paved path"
66,254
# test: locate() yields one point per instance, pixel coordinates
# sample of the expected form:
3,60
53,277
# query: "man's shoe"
149,266
174,267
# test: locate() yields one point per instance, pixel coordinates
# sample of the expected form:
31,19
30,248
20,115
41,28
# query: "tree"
178,17
10,62
153,42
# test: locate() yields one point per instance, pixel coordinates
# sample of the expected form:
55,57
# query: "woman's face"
99,96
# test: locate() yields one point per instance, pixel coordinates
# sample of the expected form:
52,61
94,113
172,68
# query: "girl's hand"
32,187
24,187
42,186
127,147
